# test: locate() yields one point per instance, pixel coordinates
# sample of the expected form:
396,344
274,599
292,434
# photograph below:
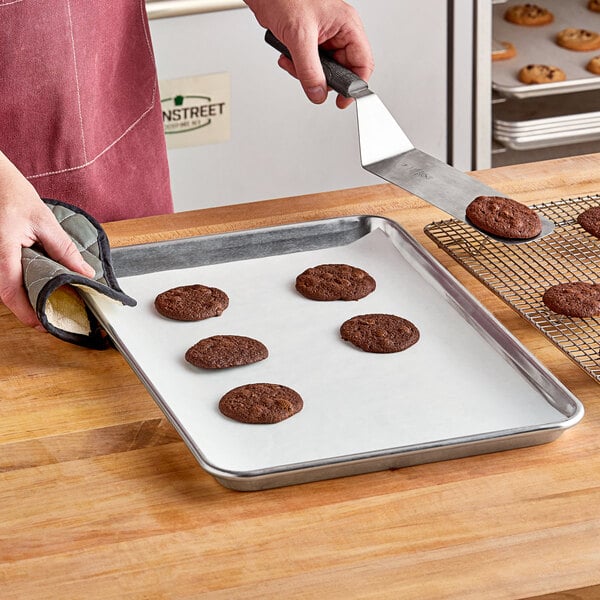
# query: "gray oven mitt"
55,291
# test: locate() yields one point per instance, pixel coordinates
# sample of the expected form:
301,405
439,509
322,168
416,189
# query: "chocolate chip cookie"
504,217
335,282
575,299
531,74
528,14
380,333
261,403
590,220
191,302
224,351
580,40
508,51
594,5
593,65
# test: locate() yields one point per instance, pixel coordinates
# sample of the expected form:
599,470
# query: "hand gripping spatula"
387,152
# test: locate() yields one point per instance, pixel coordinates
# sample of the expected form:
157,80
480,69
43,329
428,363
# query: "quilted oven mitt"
55,292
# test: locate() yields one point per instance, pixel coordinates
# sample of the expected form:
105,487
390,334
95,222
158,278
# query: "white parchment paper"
452,383
537,45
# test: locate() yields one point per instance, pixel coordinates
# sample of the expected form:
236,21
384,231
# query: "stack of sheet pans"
542,122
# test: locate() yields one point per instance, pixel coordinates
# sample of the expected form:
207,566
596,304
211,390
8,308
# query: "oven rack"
519,274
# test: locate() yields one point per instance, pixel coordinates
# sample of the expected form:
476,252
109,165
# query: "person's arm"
303,25
24,221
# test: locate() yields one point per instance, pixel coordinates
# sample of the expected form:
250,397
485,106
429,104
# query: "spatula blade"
387,152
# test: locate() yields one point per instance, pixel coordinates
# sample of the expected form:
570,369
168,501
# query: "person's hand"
303,25
24,221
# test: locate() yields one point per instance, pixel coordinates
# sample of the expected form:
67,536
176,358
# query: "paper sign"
196,110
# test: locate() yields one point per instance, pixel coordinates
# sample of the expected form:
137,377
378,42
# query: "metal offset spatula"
387,152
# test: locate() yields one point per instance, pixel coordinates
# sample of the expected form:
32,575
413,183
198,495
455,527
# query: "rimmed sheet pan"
532,123
467,387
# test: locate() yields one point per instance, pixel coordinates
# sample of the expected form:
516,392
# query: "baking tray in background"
533,123
533,140
537,45
467,386
520,274
535,113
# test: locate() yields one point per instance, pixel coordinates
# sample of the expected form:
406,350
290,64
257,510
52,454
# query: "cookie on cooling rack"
574,299
590,220
504,217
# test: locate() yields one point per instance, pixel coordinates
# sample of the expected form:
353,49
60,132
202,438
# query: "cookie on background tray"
380,333
530,15
509,51
504,217
580,40
335,282
532,74
261,403
590,220
574,299
191,302
224,351
593,65
594,5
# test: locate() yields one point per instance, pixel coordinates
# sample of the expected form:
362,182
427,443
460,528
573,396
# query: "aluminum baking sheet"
528,114
537,45
466,387
580,125
533,123
547,139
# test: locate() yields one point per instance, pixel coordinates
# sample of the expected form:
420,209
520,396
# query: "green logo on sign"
188,113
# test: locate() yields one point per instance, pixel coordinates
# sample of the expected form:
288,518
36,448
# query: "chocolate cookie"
576,299
224,351
581,40
593,65
380,333
590,220
594,5
260,403
504,217
191,302
508,51
530,15
541,74
335,282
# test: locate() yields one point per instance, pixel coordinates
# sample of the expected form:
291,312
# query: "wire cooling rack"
520,273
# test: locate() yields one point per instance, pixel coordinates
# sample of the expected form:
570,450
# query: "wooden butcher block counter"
100,498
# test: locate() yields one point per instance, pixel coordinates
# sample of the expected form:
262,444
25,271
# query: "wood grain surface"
99,497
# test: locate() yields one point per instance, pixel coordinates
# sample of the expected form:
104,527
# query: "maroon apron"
80,112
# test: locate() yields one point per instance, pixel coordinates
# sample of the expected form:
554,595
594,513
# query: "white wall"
282,145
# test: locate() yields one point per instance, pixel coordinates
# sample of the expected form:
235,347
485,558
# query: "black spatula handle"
342,80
